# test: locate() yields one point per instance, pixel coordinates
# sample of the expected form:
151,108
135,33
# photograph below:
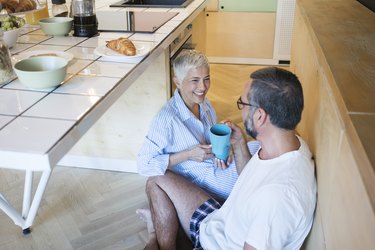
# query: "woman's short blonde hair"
187,60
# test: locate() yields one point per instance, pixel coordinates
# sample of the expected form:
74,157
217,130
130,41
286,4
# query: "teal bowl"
56,26
42,72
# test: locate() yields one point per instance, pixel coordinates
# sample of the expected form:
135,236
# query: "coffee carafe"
85,23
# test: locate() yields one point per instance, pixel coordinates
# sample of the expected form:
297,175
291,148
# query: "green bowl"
56,26
41,72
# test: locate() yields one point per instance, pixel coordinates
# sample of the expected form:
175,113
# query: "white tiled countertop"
37,128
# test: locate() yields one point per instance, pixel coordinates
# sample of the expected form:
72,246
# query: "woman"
178,139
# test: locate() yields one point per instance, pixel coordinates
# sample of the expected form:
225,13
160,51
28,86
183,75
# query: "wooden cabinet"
349,221
199,32
344,218
249,32
240,34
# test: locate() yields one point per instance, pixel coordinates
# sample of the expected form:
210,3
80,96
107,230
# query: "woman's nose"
202,84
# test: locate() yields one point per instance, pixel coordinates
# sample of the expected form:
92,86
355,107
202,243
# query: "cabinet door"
351,221
240,34
213,5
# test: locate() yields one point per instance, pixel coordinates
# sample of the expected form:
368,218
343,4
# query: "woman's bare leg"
182,242
145,215
152,243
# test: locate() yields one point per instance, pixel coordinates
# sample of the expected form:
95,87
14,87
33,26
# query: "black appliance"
152,3
369,4
85,23
183,42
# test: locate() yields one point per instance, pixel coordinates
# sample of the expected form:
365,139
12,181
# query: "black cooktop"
369,4
132,21
152,3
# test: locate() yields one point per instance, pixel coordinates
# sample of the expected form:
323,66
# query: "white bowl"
56,26
41,72
11,36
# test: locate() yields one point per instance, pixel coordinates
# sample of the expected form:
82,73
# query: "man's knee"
151,183
154,181
160,181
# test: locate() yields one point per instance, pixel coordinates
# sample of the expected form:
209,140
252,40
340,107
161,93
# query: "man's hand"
239,145
237,135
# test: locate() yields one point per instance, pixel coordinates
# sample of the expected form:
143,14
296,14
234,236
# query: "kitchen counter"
333,55
39,127
347,40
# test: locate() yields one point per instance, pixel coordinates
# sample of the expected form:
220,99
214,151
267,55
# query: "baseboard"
240,60
99,163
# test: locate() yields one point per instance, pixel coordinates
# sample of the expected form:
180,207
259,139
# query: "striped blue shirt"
175,129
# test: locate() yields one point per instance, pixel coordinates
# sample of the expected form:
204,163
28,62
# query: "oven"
182,42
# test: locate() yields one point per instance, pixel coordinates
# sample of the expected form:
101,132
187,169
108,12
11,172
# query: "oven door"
183,42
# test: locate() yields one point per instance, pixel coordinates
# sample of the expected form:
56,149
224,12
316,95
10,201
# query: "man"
272,203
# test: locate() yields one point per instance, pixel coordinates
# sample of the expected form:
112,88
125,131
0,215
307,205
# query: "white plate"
31,53
110,55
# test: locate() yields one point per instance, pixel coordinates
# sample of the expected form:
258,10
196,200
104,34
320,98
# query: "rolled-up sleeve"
152,159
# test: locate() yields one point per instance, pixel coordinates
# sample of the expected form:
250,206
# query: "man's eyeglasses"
241,104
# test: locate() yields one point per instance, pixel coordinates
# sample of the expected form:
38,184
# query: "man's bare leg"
164,217
170,196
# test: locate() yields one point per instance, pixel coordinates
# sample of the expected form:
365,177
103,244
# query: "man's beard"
250,130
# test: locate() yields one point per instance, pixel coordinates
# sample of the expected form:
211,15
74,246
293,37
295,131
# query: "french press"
85,23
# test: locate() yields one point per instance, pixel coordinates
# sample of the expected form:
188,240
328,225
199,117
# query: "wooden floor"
93,209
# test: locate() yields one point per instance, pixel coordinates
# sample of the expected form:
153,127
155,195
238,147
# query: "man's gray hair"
187,60
279,93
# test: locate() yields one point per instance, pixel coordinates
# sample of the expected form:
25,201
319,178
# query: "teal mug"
220,140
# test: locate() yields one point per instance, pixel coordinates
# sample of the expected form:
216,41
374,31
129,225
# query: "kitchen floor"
93,209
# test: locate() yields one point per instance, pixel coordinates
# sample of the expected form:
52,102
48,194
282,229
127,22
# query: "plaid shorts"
205,209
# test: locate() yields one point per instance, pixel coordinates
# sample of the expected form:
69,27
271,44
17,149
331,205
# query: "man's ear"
176,82
260,116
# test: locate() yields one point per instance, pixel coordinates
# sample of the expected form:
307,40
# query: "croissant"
122,45
25,5
9,5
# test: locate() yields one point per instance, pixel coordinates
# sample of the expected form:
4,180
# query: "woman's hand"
200,153
219,163
197,153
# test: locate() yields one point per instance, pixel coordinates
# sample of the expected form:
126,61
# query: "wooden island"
333,54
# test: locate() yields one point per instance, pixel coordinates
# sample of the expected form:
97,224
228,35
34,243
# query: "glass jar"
59,8
6,68
33,17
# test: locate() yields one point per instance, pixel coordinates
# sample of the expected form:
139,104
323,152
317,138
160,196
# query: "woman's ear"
176,82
